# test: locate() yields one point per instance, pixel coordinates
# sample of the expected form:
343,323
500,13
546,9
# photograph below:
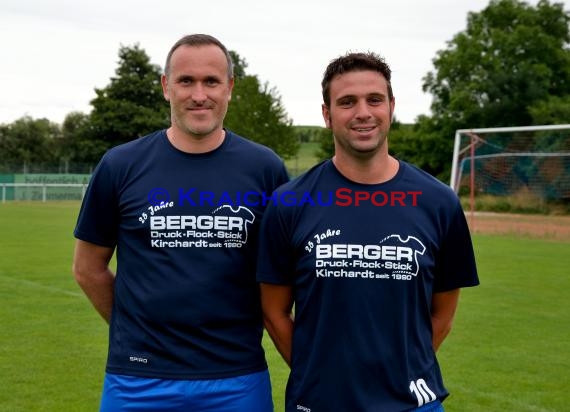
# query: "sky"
54,53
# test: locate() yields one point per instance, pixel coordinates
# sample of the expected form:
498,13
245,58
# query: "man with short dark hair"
374,273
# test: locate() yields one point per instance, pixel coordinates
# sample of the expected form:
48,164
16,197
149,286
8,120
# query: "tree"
257,113
132,105
28,142
512,58
76,148
326,144
554,110
307,134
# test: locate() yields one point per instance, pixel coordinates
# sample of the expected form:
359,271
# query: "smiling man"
183,308
198,83
375,285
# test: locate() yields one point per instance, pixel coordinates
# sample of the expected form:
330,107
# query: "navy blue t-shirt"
364,261
186,228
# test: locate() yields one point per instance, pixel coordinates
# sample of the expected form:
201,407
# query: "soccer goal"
531,162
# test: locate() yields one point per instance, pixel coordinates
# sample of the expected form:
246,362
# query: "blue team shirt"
185,227
364,261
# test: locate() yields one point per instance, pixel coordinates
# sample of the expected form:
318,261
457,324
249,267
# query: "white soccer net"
511,160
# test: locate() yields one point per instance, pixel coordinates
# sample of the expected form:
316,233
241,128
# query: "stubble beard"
367,152
356,150
188,127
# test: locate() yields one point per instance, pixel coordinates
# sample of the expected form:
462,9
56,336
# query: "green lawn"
509,349
510,346
304,160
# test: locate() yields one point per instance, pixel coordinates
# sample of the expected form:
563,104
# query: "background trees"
130,106
133,105
257,113
511,62
511,56
80,144
29,142
509,67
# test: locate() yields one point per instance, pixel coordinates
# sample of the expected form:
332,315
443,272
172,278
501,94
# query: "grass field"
304,160
509,349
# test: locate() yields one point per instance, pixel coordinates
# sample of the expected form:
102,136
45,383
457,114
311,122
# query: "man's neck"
195,144
377,169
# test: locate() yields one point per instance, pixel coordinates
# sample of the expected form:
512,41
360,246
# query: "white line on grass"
40,286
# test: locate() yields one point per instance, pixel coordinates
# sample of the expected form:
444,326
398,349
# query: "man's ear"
326,115
164,83
231,83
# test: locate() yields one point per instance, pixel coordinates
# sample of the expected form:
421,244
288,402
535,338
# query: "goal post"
510,161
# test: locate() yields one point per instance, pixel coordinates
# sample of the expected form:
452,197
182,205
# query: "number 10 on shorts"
423,393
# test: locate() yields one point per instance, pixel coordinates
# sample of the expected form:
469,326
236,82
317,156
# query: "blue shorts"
238,394
434,406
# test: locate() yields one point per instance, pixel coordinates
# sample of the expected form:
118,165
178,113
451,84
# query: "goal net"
531,162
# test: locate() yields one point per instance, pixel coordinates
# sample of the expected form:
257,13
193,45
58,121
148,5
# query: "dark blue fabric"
186,301
363,278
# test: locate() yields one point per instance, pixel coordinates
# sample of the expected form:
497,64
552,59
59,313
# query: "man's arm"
92,273
443,307
277,305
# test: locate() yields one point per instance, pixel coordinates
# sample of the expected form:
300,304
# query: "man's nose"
199,93
362,110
